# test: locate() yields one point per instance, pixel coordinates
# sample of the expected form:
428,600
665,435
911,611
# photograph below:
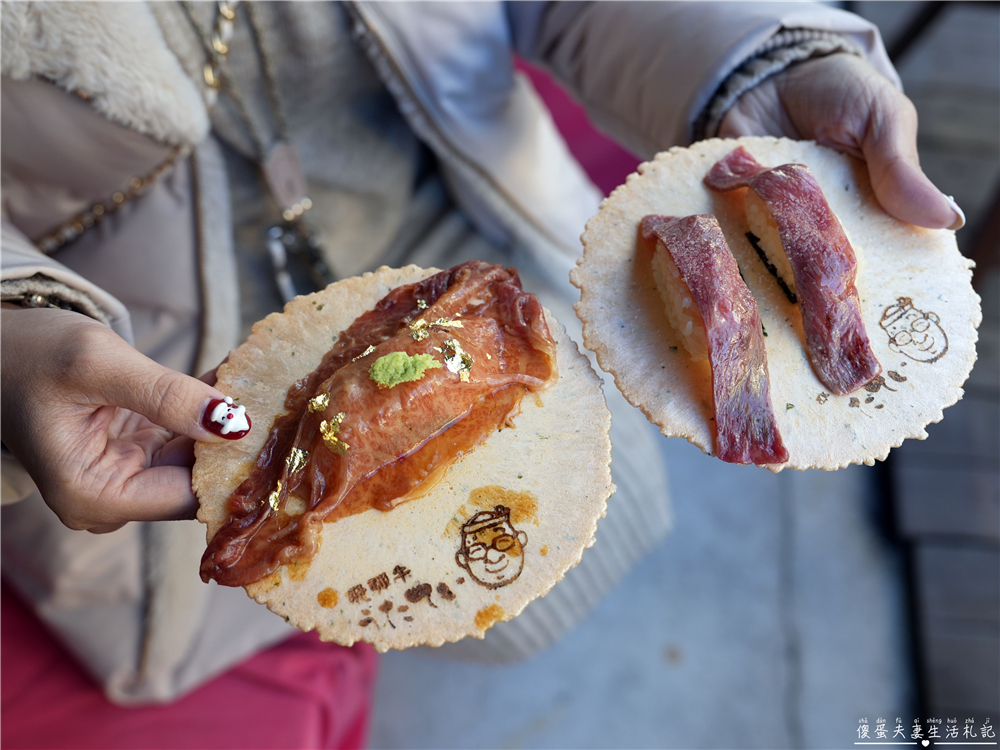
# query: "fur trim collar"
115,53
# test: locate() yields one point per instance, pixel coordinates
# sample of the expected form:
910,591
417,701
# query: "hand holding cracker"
842,102
105,432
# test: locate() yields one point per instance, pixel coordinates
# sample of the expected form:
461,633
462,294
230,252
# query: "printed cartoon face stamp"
914,333
492,549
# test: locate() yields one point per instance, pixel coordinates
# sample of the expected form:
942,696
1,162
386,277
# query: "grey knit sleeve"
782,50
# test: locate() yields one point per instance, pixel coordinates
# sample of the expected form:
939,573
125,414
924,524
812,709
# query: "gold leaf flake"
418,330
296,460
456,359
365,353
273,498
319,403
329,432
421,304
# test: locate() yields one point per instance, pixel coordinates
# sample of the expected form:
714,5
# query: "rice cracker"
917,302
403,578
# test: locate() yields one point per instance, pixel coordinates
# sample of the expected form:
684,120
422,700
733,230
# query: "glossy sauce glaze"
387,445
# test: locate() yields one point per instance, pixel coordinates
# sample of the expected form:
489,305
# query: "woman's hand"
842,102
106,433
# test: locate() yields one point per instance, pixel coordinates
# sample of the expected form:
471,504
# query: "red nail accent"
222,416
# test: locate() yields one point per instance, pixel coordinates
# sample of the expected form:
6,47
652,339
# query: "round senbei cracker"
403,578
917,301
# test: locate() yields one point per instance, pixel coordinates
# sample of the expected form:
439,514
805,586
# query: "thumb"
180,403
902,188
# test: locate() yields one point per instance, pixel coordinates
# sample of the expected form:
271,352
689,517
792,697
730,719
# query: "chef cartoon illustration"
914,333
492,550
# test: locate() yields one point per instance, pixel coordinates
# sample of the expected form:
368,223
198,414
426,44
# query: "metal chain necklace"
277,158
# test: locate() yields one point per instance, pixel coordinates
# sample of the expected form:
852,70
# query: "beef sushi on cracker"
479,536
912,290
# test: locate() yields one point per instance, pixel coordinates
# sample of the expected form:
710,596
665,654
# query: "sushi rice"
682,312
763,226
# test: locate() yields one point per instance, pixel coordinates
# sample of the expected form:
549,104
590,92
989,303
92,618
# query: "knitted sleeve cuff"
779,52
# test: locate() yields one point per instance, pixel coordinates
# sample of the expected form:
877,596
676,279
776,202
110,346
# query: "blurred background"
785,610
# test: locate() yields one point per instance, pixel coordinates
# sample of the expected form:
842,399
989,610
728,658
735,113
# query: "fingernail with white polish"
222,417
960,222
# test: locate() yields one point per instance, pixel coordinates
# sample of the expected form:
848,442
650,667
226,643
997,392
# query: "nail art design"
225,419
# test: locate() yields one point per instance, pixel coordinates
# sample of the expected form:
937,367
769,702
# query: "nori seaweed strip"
754,241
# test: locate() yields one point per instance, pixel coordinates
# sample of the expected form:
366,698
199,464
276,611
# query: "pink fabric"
604,161
300,694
